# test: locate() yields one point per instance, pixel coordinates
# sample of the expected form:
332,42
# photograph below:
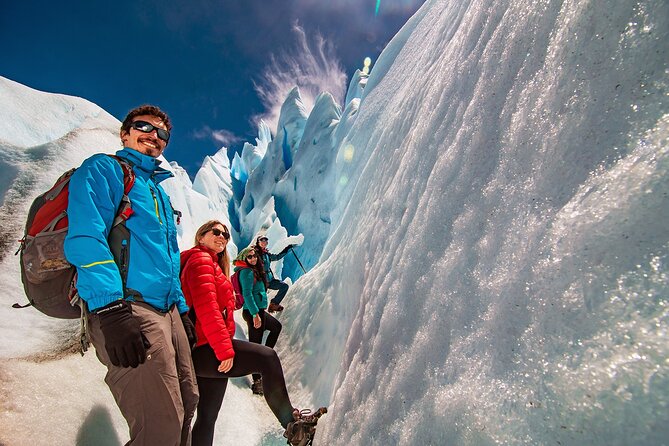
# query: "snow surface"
484,227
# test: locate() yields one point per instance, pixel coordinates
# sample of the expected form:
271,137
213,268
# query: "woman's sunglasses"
217,232
146,127
251,256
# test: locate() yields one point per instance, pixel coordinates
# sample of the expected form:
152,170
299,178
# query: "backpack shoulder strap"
119,236
128,173
252,273
125,209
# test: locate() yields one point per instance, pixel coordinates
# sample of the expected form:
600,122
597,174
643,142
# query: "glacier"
483,226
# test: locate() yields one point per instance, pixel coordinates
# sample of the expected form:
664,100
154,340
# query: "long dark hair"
258,269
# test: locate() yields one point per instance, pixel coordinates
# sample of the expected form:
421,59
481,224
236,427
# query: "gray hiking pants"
159,397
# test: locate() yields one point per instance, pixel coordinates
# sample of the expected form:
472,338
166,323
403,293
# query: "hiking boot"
301,432
274,307
256,387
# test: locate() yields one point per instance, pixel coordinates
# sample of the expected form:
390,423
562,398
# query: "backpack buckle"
127,212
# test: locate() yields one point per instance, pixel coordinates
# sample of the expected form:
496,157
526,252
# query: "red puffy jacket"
209,292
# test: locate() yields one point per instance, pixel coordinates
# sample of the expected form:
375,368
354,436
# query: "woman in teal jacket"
253,282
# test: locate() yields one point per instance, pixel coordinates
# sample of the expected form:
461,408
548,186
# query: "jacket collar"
145,164
240,264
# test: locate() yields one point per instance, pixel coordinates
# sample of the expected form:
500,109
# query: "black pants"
282,287
249,358
269,323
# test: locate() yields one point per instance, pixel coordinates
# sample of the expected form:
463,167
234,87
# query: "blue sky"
216,67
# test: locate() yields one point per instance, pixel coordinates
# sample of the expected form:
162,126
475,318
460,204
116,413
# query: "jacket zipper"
155,204
160,220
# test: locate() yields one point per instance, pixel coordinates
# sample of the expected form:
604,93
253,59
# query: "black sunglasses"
217,232
264,239
146,127
251,256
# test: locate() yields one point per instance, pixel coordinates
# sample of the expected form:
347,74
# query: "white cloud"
225,137
222,136
312,65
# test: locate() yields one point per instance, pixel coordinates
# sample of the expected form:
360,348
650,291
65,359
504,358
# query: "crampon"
301,431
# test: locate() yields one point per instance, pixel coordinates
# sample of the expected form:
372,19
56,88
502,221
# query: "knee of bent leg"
273,360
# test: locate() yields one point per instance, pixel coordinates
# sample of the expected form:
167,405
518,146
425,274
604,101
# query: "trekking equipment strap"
125,211
73,295
84,338
119,236
52,225
60,185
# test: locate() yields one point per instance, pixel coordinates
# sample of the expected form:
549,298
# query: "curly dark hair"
146,109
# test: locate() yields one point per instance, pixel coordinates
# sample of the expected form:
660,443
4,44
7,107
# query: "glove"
190,329
124,341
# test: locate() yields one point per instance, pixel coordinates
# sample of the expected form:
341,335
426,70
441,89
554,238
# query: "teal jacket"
255,295
267,259
95,191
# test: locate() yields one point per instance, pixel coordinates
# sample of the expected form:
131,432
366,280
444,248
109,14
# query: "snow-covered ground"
484,225
63,400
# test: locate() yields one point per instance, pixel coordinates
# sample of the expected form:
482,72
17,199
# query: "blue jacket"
96,189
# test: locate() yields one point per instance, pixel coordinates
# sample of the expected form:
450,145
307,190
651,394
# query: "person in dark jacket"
272,282
252,281
140,313
217,355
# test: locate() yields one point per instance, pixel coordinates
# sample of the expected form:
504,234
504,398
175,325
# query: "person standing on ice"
138,316
272,282
253,282
217,355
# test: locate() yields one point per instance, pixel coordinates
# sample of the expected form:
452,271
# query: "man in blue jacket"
138,319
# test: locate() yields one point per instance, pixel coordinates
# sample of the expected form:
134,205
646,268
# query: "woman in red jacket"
217,356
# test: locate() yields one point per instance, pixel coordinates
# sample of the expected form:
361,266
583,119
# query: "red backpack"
239,297
49,280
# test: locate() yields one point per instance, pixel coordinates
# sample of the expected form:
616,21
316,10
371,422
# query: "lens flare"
367,63
378,3
349,150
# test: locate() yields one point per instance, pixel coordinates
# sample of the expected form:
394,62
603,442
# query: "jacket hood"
240,264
